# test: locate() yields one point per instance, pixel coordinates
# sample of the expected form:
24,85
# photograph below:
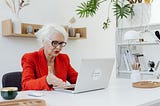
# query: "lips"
56,52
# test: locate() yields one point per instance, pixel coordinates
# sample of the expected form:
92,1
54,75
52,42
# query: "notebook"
94,74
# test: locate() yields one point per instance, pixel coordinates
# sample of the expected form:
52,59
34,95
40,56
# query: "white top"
119,93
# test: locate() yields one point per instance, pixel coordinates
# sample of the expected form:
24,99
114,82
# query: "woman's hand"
53,80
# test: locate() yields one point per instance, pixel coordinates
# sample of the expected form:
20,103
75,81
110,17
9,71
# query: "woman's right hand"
53,80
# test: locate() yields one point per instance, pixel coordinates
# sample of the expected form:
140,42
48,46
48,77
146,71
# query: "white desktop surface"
119,93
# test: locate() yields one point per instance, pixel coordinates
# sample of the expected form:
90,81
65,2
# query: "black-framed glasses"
55,43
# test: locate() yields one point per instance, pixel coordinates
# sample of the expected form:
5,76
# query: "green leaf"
88,8
122,11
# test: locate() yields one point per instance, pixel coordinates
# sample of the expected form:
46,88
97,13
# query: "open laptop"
94,74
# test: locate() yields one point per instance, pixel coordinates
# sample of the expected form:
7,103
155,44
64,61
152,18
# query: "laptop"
94,74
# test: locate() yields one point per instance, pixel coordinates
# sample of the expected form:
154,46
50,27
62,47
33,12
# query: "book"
130,58
126,63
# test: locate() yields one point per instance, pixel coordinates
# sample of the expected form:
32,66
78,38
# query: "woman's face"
54,45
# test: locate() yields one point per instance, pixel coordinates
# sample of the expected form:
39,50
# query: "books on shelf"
143,63
126,63
130,59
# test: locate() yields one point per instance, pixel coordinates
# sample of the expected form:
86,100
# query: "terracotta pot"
139,1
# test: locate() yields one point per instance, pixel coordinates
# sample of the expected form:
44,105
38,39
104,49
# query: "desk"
119,93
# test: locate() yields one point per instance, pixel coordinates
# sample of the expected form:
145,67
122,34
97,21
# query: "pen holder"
135,76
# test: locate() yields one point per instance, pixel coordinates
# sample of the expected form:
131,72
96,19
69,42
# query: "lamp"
131,36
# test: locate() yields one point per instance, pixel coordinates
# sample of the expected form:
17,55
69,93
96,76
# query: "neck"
50,59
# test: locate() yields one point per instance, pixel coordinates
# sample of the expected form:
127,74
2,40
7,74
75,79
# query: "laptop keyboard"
70,87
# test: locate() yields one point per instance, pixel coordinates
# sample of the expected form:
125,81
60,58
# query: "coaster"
146,84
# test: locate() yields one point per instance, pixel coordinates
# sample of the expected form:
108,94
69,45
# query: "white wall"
155,18
99,43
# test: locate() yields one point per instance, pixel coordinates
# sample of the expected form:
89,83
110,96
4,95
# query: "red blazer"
35,70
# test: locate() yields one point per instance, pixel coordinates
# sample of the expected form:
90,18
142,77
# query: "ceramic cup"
29,29
9,92
78,35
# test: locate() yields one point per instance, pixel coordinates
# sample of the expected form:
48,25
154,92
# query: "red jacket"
35,70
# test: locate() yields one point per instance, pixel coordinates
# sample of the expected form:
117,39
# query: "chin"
55,54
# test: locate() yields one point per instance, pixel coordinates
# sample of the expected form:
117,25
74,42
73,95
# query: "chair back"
12,79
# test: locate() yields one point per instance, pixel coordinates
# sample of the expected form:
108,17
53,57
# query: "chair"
12,79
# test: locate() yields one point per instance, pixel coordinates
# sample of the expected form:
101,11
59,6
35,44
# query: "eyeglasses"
55,43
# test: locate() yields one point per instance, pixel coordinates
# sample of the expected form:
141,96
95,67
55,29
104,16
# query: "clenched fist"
53,80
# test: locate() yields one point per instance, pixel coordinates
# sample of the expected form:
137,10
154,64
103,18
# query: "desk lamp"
131,36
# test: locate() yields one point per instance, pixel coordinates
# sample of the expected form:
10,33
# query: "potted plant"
16,6
121,9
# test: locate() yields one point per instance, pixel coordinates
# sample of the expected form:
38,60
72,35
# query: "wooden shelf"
75,38
7,30
81,30
20,35
35,28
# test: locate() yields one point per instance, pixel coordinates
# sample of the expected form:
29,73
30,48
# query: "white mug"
78,35
135,76
29,29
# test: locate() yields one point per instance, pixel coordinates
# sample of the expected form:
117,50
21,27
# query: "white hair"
50,30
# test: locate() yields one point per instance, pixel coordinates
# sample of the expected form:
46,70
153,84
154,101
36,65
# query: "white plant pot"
16,24
142,16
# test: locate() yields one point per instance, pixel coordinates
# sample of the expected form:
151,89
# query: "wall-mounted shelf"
7,30
20,35
81,31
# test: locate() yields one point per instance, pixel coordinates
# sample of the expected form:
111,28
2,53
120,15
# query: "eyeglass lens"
56,43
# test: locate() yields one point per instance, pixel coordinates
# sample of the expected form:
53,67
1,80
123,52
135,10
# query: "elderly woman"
48,68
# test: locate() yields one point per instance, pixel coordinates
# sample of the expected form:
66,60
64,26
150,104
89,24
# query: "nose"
59,47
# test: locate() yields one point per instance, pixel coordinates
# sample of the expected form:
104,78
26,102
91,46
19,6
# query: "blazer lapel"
42,62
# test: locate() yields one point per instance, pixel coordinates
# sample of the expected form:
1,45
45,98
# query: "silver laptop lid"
94,74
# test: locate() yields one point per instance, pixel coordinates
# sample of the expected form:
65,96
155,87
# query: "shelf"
138,43
21,35
34,28
139,27
7,30
138,51
142,72
73,38
81,31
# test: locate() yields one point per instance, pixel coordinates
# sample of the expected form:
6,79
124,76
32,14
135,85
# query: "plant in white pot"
142,12
122,9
